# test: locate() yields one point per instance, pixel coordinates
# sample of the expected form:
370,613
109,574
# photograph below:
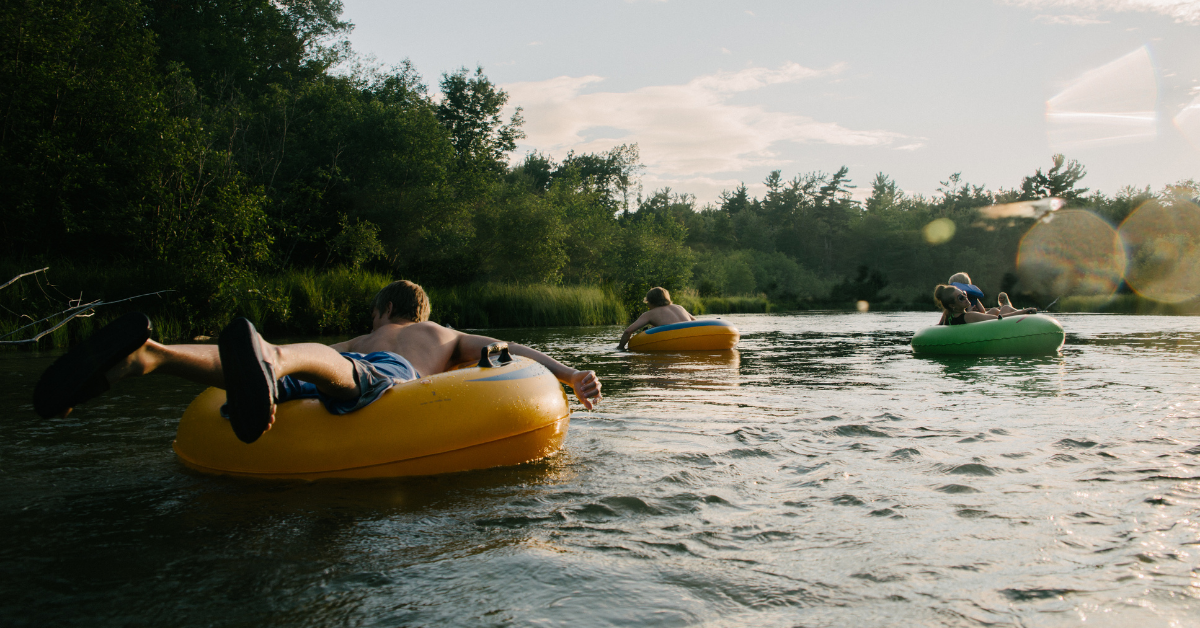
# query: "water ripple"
821,475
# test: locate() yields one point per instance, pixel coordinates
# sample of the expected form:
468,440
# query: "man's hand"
586,386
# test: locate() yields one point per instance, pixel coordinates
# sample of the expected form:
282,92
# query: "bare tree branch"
73,313
14,279
81,309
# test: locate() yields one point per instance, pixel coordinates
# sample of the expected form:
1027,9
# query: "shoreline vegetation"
336,302
237,158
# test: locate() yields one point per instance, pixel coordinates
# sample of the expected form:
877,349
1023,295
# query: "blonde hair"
406,298
960,278
1002,299
657,297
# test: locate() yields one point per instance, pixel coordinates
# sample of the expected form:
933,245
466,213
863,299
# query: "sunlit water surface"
819,476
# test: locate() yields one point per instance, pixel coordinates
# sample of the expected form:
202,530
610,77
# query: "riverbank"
337,302
303,303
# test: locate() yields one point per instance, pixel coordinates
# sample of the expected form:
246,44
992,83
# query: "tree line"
203,143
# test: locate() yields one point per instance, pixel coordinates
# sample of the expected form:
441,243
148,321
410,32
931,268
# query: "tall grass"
506,305
698,305
305,303
295,302
336,301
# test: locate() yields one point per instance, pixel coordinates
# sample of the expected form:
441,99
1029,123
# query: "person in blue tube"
256,375
662,312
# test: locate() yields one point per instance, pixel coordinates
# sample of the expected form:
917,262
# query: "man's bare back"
431,348
656,316
668,314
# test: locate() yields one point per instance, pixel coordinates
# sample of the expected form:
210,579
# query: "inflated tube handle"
485,353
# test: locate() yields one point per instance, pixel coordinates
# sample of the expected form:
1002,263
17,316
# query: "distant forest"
198,144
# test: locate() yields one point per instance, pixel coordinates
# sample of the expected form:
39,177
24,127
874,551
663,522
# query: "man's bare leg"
251,368
247,367
198,363
311,362
122,349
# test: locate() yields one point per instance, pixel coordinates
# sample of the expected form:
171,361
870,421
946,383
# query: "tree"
884,194
1058,182
736,201
470,110
613,172
247,45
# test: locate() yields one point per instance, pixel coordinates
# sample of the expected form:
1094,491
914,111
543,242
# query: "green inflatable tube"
1032,334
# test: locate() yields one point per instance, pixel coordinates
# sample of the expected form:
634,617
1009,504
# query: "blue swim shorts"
375,373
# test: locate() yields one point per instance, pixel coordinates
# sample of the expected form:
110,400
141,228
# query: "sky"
718,92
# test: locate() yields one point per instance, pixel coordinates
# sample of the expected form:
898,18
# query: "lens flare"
1163,241
939,231
1109,105
1036,209
1188,123
1075,253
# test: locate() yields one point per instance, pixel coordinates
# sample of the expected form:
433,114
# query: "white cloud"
1068,20
1179,10
683,131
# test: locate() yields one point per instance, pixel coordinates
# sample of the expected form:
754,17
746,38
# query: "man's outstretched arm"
641,322
585,383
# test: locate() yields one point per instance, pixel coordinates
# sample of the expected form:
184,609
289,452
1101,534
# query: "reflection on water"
686,369
819,475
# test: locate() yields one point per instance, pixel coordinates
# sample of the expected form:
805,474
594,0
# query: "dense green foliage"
237,153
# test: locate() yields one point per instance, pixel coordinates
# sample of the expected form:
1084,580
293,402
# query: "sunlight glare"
1188,123
1078,253
1112,104
1163,241
1036,209
939,231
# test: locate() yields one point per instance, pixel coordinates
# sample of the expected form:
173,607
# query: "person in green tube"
957,308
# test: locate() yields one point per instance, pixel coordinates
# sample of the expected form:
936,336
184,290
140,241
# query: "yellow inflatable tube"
471,418
699,335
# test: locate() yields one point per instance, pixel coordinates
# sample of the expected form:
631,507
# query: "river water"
818,476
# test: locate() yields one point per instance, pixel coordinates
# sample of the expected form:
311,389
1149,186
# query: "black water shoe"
80,374
249,380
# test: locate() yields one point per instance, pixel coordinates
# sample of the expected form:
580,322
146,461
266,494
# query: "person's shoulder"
430,327
424,328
